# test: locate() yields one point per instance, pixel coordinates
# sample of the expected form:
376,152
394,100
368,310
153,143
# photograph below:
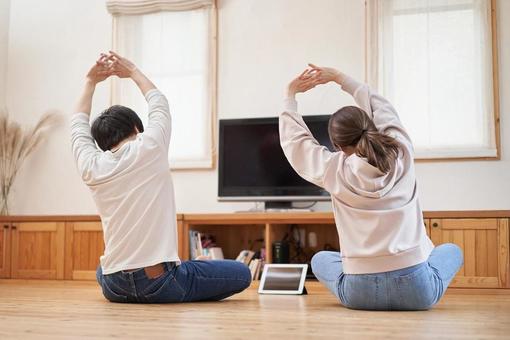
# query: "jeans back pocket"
164,289
112,293
415,289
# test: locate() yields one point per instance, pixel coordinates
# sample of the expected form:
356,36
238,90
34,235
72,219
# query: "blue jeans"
414,288
187,282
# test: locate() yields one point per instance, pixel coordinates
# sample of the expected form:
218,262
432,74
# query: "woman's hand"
326,74
304,82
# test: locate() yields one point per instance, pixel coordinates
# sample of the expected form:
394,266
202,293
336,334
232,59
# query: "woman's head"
353,131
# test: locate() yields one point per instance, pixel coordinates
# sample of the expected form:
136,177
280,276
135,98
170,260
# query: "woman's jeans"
187,282
414,288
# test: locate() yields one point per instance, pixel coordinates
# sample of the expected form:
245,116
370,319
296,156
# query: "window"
176,49
434,60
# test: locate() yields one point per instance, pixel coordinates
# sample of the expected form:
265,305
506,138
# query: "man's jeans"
414,288
187,282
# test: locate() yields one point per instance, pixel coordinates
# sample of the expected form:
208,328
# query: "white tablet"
283,279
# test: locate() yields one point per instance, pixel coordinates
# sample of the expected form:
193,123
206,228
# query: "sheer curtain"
433,60
174,49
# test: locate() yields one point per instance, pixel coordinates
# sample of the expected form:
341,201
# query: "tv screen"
252,165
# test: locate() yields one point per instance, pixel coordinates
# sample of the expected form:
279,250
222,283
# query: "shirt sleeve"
83,146
382,112
159,124
306,156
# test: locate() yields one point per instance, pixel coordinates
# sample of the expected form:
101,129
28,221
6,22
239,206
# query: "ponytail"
379,149
351,126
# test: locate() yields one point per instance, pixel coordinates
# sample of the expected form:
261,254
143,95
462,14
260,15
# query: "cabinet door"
5,250
484,243
427,226
37,250
84,246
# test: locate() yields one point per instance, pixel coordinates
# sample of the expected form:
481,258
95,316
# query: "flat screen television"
253,167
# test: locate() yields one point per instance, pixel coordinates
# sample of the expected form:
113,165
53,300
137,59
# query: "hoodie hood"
366,180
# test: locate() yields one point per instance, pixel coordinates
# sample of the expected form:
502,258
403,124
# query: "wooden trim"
49,218
68,251
184,253
180,238
477,291
58,218
60,257
214,80
37,226
267,239
468,223
5,267
479,282
14,253
89,275
504,254
39,274
468,214
259,218
495,77
87,226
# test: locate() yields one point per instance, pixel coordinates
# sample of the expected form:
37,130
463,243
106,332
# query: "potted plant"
16,144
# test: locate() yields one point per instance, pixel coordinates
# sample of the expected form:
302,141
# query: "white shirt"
132,189
378,216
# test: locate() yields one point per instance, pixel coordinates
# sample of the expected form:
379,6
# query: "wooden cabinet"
5,250
37,250
484,243
427,226
83,246
69,247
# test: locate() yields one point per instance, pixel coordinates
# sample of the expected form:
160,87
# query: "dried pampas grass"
16,144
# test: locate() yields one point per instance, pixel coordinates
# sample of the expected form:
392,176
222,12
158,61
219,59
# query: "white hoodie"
378,216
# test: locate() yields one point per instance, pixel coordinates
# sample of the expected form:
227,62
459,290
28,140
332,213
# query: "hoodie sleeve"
306,156
384,115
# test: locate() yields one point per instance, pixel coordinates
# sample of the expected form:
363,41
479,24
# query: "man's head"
114,125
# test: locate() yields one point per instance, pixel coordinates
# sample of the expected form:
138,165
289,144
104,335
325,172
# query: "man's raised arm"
82,142
159,126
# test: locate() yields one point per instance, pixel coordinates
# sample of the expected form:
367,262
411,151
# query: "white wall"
262,44
4,35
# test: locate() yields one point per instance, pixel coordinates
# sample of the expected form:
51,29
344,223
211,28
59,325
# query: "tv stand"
277,205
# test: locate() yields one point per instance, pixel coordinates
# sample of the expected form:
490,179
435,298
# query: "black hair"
114,125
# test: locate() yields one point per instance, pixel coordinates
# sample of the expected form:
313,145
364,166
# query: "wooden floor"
71,309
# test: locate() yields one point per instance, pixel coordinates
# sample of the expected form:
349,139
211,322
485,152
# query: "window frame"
372,77
211,163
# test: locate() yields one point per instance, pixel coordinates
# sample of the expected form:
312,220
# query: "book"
245,256
253,267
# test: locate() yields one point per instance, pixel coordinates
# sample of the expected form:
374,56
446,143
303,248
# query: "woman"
387,262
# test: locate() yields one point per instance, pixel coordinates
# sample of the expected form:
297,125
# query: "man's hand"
121,67
100,71
325,74
304,82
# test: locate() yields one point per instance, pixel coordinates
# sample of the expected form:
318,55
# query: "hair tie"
363,131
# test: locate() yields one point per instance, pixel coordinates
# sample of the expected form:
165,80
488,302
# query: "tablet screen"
283,278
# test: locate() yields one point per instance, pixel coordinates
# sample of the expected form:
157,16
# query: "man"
131,184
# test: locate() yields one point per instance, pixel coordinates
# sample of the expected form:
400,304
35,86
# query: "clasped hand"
311,77
110,64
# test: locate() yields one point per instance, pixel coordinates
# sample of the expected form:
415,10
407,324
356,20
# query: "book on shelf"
245,256
253,261
201,244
